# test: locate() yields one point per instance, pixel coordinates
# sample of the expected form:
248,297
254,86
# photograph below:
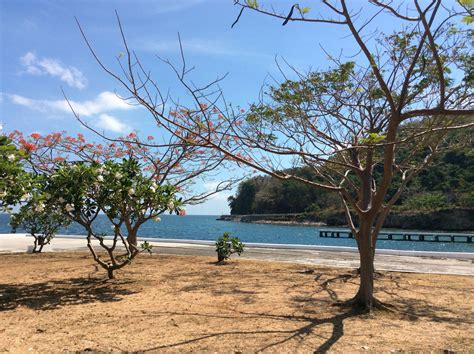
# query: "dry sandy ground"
61,302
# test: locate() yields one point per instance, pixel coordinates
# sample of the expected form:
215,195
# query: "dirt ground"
62,302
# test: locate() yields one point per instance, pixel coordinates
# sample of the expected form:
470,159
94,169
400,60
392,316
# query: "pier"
404,236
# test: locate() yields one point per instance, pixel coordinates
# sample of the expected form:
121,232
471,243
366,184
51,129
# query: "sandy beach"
61,301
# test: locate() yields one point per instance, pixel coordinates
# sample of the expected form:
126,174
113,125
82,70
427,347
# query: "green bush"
226,246
426,202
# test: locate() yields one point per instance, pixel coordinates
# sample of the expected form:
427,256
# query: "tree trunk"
110,272
365,295
40,248
39,242
132,242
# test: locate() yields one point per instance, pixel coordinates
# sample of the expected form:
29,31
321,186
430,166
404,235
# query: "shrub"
226,246
40,222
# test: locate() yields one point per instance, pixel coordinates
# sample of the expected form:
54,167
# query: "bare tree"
407,89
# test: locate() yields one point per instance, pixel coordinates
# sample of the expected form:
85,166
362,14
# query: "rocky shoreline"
455,219
274,219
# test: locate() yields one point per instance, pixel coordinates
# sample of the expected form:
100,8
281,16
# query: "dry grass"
61,302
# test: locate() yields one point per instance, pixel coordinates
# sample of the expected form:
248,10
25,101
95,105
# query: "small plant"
226,246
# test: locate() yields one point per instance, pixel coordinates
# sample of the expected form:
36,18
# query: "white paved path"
403,261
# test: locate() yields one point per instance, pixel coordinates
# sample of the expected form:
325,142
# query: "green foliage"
252,3
119,190
243,203
305,10
226,246
425,202
14,181
373,138
467,199
146,247
268,195
451,175
468,5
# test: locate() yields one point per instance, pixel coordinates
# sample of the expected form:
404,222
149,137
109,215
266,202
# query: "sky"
42,51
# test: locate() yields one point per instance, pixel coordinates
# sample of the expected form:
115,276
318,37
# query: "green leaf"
252,3
467,19
305,10
373,138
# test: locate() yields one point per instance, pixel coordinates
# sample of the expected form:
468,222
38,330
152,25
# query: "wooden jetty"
404,236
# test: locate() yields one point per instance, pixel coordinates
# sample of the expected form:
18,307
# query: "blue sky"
42,50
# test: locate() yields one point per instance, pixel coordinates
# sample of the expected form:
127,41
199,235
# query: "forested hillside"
448,182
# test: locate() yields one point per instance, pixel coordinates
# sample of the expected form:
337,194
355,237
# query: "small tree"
226,246
37,215
123,193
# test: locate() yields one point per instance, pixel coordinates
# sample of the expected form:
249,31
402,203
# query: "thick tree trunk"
365,295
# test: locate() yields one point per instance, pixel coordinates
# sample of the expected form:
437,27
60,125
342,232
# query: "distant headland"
454,219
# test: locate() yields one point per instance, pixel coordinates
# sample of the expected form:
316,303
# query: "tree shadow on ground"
308,325
417,302
307,320
54,294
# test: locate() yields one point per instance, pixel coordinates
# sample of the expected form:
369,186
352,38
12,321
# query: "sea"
206,227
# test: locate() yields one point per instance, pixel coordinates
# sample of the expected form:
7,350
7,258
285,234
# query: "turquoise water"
197,227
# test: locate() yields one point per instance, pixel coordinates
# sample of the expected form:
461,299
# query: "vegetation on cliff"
448,183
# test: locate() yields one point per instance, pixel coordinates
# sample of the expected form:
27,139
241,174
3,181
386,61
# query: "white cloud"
104,102
22,101
113,124
53,67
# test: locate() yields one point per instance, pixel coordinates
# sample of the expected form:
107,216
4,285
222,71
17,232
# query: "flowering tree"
171,160
119,190
345,122
128,180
